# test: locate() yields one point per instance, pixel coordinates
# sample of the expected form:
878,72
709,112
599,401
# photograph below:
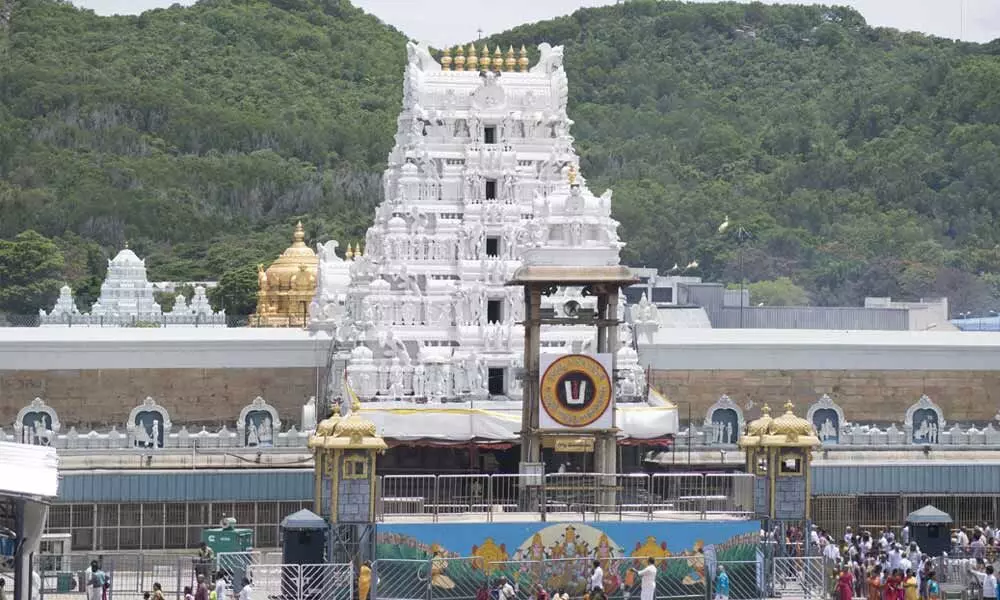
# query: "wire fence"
689,577
636,495
154,321
130,575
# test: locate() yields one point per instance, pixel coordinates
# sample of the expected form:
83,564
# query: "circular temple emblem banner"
576,392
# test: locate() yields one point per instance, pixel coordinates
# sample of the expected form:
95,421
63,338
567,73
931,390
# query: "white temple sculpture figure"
482,173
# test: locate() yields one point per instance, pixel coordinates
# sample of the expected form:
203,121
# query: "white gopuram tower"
482,150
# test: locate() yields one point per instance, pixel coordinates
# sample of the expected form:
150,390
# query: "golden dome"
355,427
791,426
446,59
762,425
287,266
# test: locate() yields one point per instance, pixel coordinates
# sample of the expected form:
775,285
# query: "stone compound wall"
865,396
191,396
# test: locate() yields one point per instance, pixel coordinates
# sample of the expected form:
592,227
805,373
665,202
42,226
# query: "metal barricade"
729,493
681,492
128,575
800,577
747,579
597,494
302,582
407,495
401,579
462,494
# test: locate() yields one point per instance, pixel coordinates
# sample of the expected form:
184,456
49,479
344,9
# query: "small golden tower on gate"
778,454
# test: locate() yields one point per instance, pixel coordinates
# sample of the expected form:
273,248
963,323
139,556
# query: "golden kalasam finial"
497,59
459,59
484,58
446,59
510,62
359,251
765,410
522,62
350,252
789,407
572,174
472,62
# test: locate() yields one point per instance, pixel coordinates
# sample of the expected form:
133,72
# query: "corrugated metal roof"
839,480
187,486
296,484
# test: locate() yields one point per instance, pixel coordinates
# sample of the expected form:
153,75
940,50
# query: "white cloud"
448,22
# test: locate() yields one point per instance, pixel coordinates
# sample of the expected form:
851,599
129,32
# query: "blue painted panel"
187,486
559,554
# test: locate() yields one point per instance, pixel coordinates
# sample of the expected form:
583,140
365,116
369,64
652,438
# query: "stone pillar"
531,448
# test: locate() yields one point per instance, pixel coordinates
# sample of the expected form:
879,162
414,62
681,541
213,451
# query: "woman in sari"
910,586
845,584
875,583
894,586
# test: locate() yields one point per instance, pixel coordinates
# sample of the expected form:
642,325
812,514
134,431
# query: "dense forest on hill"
863,160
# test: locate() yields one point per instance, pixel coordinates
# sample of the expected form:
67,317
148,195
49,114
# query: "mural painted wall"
457,560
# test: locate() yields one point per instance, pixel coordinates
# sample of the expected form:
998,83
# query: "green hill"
863,160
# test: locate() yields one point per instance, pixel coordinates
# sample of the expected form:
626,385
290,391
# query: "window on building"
490,134
491,189
494,311
791,464
355,467
496,382
762,465
492,246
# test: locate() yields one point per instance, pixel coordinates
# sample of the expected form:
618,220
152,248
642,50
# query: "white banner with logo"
577,392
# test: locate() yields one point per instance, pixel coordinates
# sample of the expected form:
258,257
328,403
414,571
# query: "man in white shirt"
830,552
220,586
989,582
895,556
247,591
597,580
848,536
647,577
506,590
962,540
814,536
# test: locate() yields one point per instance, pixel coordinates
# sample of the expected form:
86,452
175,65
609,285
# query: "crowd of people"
883,567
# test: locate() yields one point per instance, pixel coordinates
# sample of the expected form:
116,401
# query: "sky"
448,22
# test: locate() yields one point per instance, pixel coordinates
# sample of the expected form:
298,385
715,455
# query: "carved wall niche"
148,425
258,424
723,422
36,424
828,419
924,421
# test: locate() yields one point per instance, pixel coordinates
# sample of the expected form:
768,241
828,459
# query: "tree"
236,292
778,292
30,273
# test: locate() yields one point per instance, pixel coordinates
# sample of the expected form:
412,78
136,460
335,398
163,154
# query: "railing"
692,577
132,574
164,320
640,495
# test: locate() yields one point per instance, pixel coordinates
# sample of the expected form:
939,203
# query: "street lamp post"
743,235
